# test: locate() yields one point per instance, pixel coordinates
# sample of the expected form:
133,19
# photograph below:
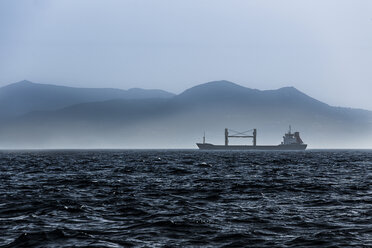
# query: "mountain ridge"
30,83
178,121
25,96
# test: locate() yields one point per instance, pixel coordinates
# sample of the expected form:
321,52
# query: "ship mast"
226,137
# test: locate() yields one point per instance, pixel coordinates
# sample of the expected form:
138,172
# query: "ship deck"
207,146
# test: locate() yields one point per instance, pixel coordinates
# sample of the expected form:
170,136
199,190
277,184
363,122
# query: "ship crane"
240,135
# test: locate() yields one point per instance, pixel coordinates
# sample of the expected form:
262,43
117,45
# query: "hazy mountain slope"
226,94
23,97
180,121
227,97
115,111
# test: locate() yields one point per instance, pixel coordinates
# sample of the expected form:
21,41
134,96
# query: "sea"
185,198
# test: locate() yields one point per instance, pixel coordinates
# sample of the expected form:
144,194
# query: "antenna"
290,129
204,138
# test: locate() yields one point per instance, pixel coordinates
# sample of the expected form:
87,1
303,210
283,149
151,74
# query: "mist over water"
185,198
175,132
96,118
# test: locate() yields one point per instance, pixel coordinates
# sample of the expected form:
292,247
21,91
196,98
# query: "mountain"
23,97
225,93
179,121
223,100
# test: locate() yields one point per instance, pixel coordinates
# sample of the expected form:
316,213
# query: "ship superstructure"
291,141
292,138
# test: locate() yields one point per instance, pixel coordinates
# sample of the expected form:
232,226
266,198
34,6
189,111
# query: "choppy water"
185,198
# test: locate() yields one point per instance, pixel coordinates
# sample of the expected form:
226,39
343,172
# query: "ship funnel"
298,139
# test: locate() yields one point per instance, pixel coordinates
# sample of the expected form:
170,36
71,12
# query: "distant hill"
24,97
179,121
228,97
225,93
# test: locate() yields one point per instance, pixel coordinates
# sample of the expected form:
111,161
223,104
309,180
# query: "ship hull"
291,147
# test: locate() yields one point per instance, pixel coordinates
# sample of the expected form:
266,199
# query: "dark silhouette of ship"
291,141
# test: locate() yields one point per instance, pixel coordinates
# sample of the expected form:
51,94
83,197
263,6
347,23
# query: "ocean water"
185,198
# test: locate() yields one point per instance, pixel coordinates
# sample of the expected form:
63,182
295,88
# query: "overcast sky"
323,48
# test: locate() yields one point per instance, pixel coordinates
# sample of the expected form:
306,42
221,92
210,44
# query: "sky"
321,47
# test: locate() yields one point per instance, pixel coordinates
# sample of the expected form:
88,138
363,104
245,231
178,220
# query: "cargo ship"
291,141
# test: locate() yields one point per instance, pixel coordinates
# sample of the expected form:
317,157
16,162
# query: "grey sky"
323,48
